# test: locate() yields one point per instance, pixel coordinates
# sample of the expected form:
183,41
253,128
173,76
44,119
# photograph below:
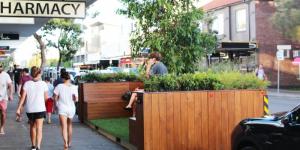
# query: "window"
218,24
296,53
241,20
286,53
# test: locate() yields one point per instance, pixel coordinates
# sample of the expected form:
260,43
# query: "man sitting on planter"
153,67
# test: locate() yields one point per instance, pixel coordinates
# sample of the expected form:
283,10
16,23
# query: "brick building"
245,27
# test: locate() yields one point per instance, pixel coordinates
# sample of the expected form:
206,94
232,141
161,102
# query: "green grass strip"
118,127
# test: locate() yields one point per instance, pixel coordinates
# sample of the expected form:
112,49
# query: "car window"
295,117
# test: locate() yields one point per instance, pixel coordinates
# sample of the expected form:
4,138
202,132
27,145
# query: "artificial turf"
117,127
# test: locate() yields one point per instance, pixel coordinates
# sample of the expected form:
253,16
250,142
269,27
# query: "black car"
279,131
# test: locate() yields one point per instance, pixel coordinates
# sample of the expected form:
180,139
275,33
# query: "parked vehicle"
280,131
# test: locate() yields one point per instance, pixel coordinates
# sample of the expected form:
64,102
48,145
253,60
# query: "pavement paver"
17,135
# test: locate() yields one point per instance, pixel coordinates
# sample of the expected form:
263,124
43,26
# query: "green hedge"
204,81
118,77
187,82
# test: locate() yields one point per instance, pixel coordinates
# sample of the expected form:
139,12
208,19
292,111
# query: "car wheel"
248,148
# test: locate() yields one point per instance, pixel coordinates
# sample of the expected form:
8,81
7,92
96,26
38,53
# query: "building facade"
246,29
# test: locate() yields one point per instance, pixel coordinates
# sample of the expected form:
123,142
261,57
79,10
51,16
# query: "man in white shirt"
6,93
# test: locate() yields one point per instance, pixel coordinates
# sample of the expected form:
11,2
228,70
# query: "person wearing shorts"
5,95
50,101
65,95
36,93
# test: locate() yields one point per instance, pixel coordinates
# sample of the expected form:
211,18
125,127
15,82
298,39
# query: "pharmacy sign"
33,8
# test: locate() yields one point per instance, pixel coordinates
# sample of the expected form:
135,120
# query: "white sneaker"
132,118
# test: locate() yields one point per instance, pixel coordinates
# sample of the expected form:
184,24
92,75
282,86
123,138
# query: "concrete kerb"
114,139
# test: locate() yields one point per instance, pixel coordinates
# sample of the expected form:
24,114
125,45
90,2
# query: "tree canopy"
287,18
170,27
64,35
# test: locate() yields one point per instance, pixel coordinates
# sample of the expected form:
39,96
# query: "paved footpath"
17,135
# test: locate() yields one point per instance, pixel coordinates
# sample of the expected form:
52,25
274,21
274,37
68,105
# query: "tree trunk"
59,62
42,48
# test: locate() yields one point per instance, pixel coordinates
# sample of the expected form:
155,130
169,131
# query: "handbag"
126,96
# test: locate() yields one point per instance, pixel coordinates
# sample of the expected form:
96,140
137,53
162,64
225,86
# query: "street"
279,103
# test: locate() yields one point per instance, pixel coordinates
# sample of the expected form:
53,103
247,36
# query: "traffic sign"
280,55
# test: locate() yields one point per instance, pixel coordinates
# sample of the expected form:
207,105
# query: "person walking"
36,93
66,96
6,93
50,101
17,75
260,73
25,76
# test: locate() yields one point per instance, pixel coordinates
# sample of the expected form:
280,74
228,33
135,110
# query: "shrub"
118,77
204,81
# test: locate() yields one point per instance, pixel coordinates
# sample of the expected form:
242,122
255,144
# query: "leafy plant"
204,81
118,77
171,28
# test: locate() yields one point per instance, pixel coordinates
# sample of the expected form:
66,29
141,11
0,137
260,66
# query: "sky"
107,9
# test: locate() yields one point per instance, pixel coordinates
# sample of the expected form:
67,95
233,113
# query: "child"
50,101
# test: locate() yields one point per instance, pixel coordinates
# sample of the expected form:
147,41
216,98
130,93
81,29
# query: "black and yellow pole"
266,105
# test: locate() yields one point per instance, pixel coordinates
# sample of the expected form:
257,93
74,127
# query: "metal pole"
278,77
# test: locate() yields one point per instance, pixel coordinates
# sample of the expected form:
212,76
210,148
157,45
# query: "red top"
23,80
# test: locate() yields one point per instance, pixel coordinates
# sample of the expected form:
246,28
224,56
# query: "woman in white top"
65,96
36,93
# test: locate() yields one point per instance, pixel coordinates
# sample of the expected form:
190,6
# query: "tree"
64,35
42,47
170,27
287,18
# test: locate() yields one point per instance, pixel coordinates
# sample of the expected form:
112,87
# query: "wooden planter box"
201,120
103,100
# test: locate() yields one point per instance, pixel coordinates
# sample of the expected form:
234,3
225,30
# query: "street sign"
280,55
9,36
34,8
284,47
4,48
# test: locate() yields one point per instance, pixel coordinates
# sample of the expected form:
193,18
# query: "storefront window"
241,20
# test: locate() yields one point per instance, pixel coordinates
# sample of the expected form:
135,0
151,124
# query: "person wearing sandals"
36,93
5,95
65,97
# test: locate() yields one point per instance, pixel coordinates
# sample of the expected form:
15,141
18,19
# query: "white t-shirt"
65,97
4,81
261,74
35,100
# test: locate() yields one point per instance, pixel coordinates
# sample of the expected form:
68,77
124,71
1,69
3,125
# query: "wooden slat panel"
177,122
198,120
212,119
231,116
201,120
250,106
224,121
184,119
147,121
163,121
155,122
205,120
191,120
170,121
217,119
238,107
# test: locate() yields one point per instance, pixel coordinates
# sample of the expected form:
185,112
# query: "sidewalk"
17,135
284,93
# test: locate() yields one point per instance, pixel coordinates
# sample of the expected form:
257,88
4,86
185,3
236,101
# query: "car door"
292,131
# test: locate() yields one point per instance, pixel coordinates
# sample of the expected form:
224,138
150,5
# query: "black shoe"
128,108
33,148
